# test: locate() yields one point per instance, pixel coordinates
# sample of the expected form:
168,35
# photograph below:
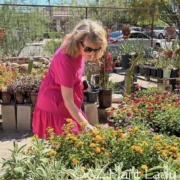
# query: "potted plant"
167,60
27,85
6,76
105,93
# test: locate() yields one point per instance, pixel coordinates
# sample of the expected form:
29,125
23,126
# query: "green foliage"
103,153
128,80
155,108
30,65
113,85
23,25
51,46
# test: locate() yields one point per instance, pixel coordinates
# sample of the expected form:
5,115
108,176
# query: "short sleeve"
64,72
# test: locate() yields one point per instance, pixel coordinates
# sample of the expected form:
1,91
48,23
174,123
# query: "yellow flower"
51,137
74,138
50,129
178,155
69,120
98,138
95,132
137,149
145,143
79,144
83,168
92,145
32,139
135,128
123,136
34,151
173,148
144,167
164,154
120,131
157,137
75,161
97,150
52,152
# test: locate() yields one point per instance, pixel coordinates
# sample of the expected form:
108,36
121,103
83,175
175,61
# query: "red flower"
129,114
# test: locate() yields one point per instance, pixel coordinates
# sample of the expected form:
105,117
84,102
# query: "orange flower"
92,145
173,149
75,161
98,138
97,150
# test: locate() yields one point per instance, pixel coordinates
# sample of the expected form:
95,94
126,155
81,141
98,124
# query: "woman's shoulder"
61,56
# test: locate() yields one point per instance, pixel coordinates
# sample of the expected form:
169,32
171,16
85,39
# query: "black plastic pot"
174,73
147,71
91,96
136,69
142,70
125,62
159,72
153,72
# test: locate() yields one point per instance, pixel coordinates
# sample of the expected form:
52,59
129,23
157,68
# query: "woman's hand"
88,127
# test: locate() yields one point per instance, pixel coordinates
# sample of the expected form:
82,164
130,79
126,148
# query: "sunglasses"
89,49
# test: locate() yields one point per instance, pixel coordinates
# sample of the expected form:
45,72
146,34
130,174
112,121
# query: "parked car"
138,38
160,32
113,36
137,29
140,29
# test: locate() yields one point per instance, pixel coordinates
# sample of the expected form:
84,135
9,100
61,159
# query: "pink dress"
50,110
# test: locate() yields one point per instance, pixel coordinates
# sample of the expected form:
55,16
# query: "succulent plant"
23,84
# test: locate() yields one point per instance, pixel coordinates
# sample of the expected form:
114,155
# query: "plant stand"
90,109
8,117
167,87
24,112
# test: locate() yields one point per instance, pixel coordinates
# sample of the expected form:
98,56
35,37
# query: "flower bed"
133,151
153,108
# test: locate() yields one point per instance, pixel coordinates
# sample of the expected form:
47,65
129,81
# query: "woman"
61,92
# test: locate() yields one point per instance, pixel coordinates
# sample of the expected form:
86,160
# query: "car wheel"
160,36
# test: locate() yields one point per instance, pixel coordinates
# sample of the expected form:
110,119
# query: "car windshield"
159,28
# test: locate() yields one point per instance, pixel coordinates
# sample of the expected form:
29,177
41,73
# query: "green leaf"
19,171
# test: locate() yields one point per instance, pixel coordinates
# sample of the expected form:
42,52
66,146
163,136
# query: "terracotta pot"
19,97
33,98
6,97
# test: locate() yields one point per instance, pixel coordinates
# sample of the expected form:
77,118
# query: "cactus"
30,65
130,72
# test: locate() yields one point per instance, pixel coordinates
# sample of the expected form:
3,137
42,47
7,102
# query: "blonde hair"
87,29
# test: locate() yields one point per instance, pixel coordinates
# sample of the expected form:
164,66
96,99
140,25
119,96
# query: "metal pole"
152,27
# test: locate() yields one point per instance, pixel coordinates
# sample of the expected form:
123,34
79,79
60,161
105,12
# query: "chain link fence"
32,24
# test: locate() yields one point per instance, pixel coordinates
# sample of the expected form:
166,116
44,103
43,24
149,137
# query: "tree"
166,11
23,24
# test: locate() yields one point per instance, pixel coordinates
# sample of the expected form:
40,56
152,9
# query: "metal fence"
32,23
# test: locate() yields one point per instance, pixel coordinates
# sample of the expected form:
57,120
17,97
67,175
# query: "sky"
38,2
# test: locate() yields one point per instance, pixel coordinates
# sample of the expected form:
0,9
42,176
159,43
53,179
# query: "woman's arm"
67,94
